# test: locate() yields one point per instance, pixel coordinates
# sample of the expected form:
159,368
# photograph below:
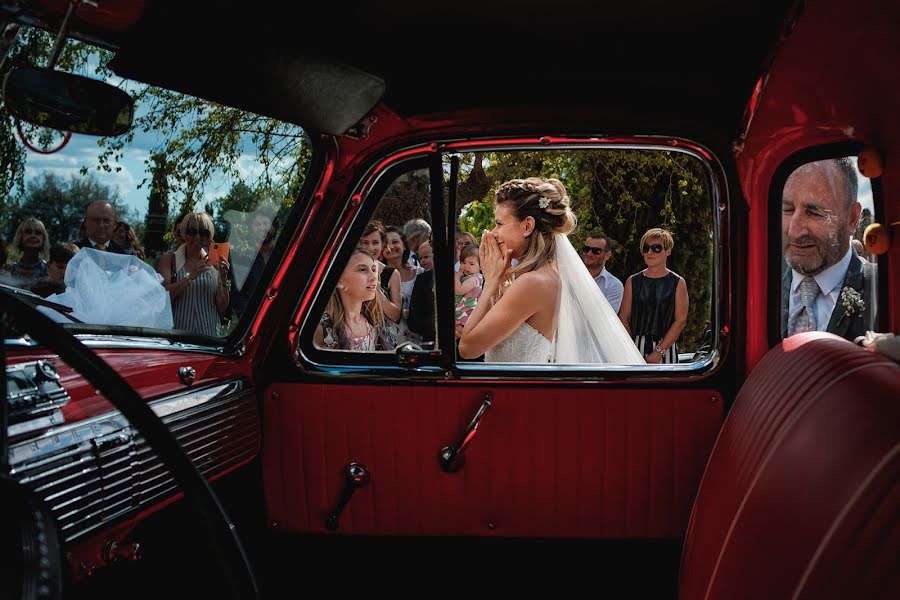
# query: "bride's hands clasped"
494,261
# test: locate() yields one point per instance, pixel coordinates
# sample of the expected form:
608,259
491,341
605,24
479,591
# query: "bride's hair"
546,201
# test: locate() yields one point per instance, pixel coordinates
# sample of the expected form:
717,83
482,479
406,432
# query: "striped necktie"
804,317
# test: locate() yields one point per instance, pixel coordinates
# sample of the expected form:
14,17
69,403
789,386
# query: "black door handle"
356,475
452,458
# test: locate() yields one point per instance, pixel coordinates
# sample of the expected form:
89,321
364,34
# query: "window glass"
235,174
384,296
644,241
828,280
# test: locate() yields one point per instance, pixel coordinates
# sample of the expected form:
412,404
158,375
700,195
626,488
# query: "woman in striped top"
198,289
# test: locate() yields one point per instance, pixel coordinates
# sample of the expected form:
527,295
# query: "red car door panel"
546,462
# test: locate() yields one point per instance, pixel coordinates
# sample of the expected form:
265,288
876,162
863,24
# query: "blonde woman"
546,308
655,301
33,249
353,319
198,290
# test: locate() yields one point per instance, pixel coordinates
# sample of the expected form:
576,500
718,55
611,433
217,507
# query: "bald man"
99,223
825,286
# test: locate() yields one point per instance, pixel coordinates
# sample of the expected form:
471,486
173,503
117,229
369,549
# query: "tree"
230,211
200,140
408,197
32,47
60,204
157,207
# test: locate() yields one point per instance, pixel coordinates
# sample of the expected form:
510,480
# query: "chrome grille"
97,472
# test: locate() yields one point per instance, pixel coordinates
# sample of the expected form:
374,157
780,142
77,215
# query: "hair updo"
525,197
545,201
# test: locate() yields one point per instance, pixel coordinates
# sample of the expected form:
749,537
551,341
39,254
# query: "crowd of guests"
386,296
204,289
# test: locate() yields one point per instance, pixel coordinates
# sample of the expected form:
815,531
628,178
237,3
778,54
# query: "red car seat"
801,495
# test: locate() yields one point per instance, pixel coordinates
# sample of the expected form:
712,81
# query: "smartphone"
216,251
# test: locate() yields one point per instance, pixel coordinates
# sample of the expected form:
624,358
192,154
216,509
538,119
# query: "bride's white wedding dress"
589,330
524,345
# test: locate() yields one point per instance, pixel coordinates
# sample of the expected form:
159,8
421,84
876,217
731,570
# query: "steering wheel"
40,558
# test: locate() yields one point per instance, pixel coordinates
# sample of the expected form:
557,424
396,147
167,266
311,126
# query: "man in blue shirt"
596,251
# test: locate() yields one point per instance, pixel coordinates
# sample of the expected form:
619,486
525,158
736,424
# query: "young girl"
353,319
469,282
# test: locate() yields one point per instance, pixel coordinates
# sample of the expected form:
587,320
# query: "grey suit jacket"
860,276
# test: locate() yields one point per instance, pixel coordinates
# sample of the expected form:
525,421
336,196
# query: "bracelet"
660,350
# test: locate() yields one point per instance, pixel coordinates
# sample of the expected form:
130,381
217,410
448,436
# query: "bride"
545,307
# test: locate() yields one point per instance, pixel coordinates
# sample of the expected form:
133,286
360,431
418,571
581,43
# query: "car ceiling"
651,61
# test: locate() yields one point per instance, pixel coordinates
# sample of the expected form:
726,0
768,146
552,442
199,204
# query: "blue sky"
83,150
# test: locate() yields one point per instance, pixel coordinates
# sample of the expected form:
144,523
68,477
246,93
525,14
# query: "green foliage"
408,197
232,212
477,216
32,48
200,141
60,204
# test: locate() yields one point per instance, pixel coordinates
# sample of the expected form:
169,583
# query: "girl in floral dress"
353,319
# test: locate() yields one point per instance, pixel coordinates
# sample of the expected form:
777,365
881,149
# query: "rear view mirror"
67,102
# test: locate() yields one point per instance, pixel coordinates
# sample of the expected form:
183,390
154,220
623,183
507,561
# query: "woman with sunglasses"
198,290
655,302
33,249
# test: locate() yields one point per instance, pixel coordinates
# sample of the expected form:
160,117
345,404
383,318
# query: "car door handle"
452,458
412,355
356,475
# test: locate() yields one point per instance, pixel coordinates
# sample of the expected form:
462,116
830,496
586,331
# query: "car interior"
233,298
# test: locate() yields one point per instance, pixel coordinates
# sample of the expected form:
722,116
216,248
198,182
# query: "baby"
469,282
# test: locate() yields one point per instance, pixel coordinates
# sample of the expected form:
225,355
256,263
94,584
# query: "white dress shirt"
830,282
611,287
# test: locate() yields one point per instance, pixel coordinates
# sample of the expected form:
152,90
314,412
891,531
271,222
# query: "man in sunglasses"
596,251
99,224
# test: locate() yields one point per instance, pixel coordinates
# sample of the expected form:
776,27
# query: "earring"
341,286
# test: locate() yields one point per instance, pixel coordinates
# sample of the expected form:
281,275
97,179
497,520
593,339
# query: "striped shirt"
195,309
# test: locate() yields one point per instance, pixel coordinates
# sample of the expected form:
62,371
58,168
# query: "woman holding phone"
197,287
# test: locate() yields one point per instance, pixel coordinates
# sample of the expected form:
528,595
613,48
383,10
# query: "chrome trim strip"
94,340
54,440
702,369
99,471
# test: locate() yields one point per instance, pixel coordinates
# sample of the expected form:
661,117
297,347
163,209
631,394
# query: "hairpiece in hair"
544,202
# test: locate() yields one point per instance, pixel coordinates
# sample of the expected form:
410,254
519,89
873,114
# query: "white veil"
589,330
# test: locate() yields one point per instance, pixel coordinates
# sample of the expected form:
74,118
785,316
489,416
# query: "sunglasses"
192,231
587,249
32,232
657,248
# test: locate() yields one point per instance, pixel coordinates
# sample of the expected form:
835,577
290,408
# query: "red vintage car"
191,412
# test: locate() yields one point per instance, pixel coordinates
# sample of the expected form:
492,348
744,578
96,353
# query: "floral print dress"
366,343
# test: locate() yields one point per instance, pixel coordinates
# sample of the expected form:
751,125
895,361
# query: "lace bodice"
524,345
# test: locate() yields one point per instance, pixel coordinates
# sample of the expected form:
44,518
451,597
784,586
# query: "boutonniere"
852,303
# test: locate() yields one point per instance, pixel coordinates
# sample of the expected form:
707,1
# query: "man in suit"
99,223
824,286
